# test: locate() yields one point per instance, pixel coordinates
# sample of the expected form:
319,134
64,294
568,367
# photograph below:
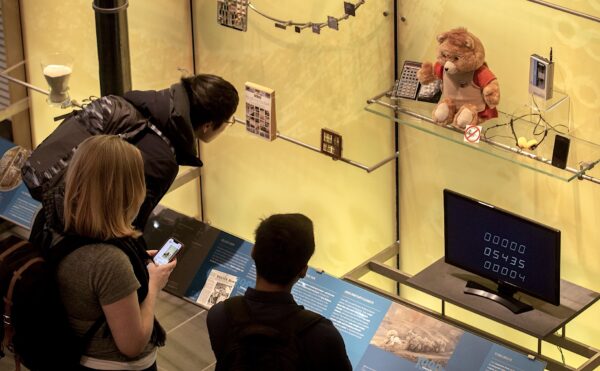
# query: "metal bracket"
366,168
566,10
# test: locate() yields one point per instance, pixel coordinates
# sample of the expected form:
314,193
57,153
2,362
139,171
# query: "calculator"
409,87
408,84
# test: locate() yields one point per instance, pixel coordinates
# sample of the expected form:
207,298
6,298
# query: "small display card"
260,111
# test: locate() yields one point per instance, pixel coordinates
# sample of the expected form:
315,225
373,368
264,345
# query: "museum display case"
369,174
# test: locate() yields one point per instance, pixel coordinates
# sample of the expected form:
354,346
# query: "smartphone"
560,153
168,251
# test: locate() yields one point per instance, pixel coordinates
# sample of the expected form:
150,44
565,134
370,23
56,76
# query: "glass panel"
497,138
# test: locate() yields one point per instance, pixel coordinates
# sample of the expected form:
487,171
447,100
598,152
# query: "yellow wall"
58,27
157,50
511,30
320,81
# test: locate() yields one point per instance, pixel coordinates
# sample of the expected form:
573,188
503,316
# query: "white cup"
57,69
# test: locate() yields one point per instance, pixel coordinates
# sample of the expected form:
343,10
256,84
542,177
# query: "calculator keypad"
408,84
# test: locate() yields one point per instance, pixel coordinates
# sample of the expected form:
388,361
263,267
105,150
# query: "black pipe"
113,46
193,38
397,143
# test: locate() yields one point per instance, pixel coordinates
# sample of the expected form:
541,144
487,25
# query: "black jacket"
322,345
157,122
169,111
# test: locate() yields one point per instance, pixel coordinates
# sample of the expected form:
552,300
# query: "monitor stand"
503,296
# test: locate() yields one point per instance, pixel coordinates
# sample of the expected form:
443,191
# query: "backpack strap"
135,249
64,247
11,249
302,321
297,322
67,245
8,299
87,337
237,310
162,136
290,327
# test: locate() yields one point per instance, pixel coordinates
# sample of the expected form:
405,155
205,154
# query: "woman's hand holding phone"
163,262
159,274
168,251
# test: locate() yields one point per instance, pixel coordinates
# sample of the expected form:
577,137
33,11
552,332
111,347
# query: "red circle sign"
472,134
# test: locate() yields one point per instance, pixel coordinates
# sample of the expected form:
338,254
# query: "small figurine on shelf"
470,90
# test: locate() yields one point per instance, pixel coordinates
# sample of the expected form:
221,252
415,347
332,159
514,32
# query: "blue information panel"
16,204
228,268
407,339
379,334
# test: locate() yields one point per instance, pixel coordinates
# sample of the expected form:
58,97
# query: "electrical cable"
536,131
562,356
299,26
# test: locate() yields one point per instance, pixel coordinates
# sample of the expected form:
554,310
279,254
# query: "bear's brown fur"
470,91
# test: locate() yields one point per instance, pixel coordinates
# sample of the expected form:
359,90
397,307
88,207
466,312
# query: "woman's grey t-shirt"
88,278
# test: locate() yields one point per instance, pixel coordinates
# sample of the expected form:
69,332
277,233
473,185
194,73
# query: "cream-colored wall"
511,30
320,81
58,27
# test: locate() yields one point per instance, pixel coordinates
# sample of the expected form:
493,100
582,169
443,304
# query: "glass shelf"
556,110
497,139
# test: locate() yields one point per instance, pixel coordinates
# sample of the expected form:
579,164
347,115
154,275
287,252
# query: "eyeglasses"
231,121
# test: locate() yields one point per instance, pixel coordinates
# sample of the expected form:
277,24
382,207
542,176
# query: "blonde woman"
109,280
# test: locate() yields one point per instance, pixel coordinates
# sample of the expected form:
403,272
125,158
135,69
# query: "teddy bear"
470,91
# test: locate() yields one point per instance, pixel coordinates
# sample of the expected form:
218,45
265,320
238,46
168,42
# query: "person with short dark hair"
198,107
284,245
212,101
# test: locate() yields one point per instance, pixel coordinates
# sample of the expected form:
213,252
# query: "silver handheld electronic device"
541,76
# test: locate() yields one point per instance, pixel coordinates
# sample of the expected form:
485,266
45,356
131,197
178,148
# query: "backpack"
35,325
47,164
260,346
43,172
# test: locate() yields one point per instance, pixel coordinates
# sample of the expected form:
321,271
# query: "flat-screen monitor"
517,253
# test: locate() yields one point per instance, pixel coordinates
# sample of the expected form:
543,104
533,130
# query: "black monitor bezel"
555,299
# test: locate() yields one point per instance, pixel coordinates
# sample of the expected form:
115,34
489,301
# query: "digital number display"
504,257
502,246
